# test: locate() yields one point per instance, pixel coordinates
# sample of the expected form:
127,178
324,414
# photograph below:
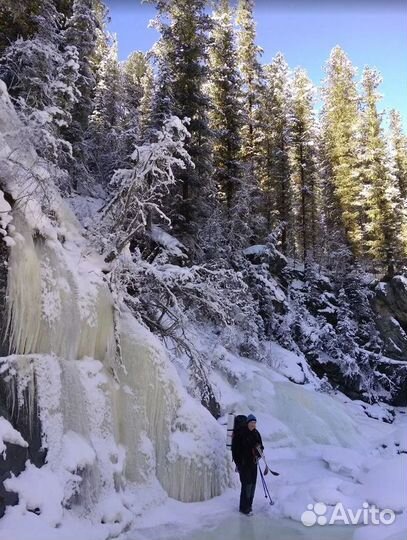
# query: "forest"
221,190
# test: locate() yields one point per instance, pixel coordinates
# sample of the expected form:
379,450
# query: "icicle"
52,309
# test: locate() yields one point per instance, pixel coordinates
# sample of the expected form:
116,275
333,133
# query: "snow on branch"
138,192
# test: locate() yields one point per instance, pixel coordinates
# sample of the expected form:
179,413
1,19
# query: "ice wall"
101,435
61,329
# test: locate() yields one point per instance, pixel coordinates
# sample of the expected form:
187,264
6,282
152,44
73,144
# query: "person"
245,455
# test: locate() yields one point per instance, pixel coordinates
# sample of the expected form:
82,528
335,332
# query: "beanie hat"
251,418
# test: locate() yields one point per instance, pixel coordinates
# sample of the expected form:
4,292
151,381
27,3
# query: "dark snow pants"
248,477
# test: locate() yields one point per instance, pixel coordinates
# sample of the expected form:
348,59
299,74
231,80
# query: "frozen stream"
256,527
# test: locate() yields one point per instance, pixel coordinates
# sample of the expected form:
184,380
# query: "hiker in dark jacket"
245,455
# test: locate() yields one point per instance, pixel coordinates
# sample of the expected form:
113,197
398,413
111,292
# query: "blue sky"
371,32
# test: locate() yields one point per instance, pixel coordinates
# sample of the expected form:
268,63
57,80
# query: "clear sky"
372,32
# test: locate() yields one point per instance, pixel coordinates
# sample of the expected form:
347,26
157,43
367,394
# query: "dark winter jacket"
244,445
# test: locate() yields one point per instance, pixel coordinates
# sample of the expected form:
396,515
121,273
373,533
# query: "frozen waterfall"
61,329
101,433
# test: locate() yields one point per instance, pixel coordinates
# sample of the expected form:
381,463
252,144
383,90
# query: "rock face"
390,305
3,289
24,419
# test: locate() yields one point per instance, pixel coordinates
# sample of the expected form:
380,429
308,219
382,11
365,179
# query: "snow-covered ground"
325,448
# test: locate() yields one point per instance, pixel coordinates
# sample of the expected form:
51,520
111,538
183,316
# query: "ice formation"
101,432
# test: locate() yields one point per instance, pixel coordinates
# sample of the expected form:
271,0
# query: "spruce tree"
339,123
380,185
138,82
106,134
398,143
181,55
225,116
398,150
41,73
84,29
304,167
146,101
250,68
274,172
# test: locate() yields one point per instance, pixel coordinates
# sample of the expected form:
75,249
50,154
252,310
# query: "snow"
258,249
9,435
385,485
76,452
171,244
38,490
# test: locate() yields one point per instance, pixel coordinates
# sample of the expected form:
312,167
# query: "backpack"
234,424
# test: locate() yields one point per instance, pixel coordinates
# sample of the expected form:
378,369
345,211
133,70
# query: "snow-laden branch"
138,191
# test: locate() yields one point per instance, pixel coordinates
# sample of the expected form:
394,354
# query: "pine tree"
106,134
138,81
41,72
225,116
226,123
275,176
84,30
398,150
398,141
380,185
18,20
181,56
250,68
146,102
304,167
339,122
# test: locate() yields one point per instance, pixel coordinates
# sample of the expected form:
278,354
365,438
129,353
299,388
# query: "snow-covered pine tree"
17,20
224,88
339,127
398,151
146,102
41,73
304,168
84,29
380,186
276,114
251,72
181,55
106,124
134,70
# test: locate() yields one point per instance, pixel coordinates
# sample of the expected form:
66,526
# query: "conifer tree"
83,29
304,167
398,150
398,142
275,177
182,70
250,68
41,72
225,116
107,136
339,123
139,91
380,185
146,101
232,220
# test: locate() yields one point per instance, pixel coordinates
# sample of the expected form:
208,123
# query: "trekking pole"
266,489
259,450
262,483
